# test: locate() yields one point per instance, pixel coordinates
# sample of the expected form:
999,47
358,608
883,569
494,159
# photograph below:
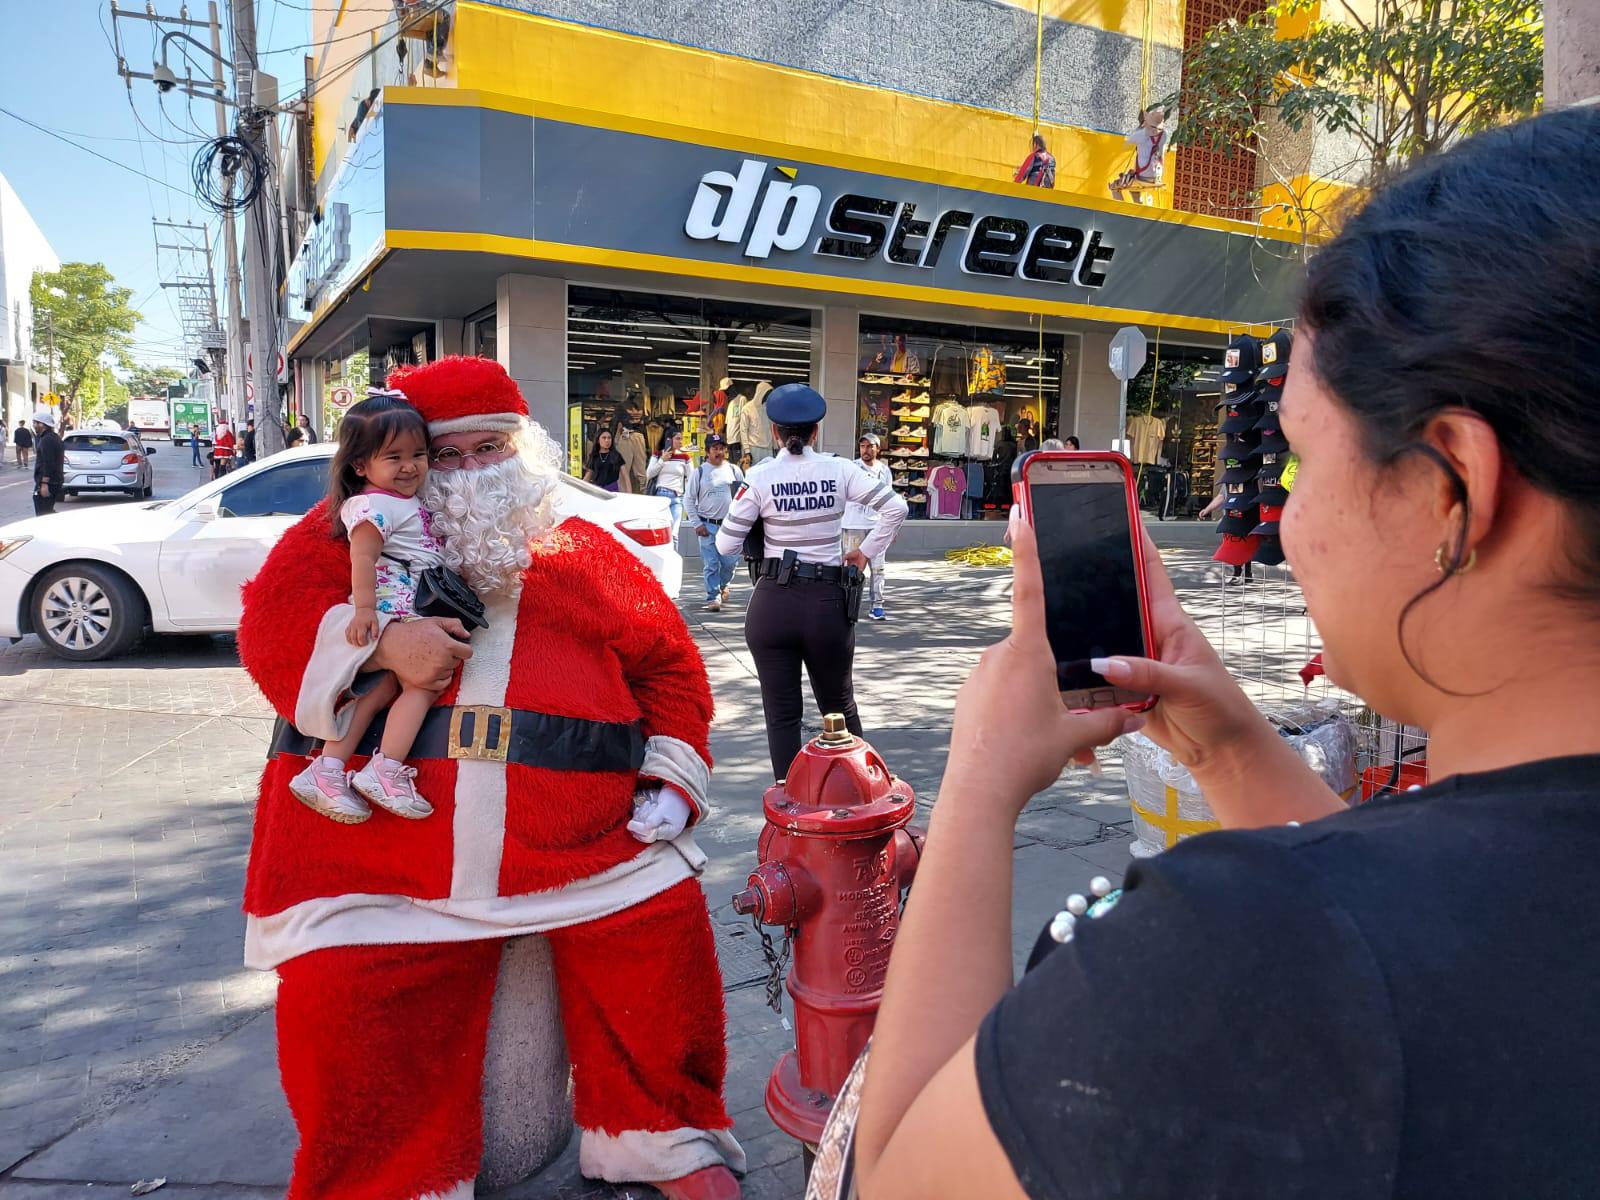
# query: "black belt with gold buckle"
487,733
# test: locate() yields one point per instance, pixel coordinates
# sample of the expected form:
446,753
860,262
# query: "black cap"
1241,360
1239,419
1269,552
1275,355
1273,442
1239,522
1269,410
796,404
1239,471
716,439
1271,494
1241,447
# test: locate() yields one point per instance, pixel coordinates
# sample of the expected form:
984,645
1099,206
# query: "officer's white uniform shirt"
801,500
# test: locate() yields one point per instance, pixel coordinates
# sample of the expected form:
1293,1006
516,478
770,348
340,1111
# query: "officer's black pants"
786,627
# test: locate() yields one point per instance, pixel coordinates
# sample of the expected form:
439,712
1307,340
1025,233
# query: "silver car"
104,461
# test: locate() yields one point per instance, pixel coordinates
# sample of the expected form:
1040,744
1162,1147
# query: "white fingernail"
1099,665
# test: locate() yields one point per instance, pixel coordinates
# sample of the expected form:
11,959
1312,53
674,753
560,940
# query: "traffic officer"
797,615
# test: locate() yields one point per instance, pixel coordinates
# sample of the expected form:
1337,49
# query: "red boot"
708,1183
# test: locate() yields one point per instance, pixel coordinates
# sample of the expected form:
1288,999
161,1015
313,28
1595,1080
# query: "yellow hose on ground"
980,556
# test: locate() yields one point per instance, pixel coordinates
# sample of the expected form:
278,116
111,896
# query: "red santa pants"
381,1047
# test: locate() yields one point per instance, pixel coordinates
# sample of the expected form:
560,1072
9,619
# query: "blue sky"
59,71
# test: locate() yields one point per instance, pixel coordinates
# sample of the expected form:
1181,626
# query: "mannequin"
755,430
734,430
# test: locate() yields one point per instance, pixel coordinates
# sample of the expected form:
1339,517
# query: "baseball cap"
1275,355
1272,493
1271,514
1238,470
1235,550
1239,418
1269,551
716,439
1241,359
870,438
1273,443
1269,409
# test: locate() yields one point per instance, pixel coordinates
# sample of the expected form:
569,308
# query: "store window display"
953,406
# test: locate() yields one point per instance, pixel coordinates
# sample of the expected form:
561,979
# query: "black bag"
443,593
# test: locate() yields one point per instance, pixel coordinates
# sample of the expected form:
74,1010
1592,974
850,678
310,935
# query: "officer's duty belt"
773,567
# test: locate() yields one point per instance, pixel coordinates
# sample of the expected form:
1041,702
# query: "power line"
78,146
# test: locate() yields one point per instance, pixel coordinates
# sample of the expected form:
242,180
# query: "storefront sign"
327,250
860,226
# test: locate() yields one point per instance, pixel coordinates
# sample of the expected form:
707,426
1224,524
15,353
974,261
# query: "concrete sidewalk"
133,1045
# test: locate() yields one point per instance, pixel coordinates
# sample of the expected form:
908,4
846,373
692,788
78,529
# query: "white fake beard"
490,518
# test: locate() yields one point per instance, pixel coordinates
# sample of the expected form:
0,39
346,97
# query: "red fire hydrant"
834,857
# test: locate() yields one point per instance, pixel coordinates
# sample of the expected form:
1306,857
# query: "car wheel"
149,490
83,612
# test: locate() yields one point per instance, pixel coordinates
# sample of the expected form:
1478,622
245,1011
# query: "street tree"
1392,79
151,379
89,317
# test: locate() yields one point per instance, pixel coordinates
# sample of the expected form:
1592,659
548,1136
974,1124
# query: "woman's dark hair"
1072,442
1472,281
595,452
366,429
795,437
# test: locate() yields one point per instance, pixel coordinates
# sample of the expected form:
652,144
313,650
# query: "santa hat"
458,394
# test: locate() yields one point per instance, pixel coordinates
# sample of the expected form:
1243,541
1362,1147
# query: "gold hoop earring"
1441,559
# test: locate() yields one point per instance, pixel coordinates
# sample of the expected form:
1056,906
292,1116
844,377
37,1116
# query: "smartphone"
1091,549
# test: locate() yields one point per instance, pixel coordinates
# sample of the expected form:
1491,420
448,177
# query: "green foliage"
1400,77
91,317
1151,389
148,379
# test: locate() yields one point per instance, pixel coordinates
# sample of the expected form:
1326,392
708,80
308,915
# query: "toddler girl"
372,499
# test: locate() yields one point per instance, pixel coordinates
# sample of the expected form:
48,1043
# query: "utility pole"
260,230
215,90
230,246
1571,53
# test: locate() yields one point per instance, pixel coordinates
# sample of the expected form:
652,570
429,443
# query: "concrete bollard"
527,1097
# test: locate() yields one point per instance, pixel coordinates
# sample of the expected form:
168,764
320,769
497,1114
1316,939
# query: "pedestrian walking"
222,451
49,463
604,466
295,437
194,445
247,443
22,439
706,502
668,473
860,520
798,615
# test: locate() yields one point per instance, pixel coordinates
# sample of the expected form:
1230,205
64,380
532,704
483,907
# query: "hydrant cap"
839,786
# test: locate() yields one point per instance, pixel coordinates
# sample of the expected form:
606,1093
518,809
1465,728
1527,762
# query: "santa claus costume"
582,699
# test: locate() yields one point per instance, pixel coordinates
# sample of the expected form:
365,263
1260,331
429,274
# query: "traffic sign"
342,397
50,400
1129,348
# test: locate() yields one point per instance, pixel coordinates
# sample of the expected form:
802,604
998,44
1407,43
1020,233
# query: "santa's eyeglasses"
448,458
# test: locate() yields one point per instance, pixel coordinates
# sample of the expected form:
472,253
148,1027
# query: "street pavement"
134,1045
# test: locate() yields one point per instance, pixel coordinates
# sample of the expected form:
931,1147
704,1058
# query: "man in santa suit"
566,761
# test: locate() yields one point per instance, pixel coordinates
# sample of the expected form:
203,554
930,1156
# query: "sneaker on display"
325,787
392,786
903,431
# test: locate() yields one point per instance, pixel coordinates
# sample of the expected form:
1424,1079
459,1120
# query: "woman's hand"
1201,714
1012,733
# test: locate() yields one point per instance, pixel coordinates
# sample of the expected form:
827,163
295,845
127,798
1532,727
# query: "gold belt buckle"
491,733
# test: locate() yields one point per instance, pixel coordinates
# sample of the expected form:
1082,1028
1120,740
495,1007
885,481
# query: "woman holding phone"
1395,1000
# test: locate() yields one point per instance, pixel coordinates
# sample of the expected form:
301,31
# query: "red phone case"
1019,489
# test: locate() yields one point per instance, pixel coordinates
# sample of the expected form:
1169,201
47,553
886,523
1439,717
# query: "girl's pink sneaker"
391,785
324,786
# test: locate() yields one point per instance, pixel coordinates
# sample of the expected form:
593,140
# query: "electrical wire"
103,158
225,159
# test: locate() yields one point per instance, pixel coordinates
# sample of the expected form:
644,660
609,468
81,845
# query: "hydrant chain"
776,964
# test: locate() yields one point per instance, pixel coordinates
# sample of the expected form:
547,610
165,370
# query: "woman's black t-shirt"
606,468
1402,1000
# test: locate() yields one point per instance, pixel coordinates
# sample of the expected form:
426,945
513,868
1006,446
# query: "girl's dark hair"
594,449
1472,280
366,429
795,437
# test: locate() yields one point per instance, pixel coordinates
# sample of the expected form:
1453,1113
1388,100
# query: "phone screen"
1091,586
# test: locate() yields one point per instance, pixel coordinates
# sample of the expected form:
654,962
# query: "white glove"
659,815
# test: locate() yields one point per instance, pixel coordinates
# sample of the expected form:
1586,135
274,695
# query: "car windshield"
96,441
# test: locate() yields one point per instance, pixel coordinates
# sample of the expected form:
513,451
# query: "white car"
91,582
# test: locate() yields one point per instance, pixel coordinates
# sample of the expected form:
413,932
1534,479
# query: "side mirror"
208,509
149,450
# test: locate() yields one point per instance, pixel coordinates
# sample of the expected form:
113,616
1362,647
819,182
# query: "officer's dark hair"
1472,280
796,437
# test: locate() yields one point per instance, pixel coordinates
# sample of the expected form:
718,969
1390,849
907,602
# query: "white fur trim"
676,762
322,706
639,1156
461,1191
498,422
479,830
359,919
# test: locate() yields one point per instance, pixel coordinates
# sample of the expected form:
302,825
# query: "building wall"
23,250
